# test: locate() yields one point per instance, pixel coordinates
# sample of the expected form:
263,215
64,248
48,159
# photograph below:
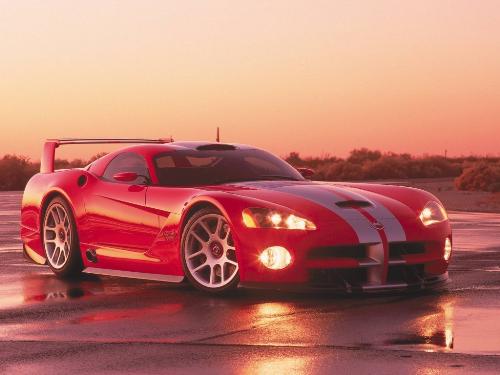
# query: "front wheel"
208,252
60,239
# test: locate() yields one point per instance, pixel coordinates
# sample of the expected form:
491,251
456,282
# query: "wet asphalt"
115,325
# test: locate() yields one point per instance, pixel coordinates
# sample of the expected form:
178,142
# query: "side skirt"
134,275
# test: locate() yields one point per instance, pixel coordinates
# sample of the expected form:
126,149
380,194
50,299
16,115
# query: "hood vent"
354,204
216,147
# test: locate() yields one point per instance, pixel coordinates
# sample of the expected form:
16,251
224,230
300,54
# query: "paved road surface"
112,325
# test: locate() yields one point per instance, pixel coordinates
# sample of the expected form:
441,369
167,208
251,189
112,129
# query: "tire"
60,239
208,253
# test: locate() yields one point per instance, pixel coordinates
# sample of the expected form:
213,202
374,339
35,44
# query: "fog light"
275,257
447,249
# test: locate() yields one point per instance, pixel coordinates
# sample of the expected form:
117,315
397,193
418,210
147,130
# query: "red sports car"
223,215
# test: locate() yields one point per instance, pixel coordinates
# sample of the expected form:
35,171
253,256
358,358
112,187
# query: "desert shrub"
339,171
294,159
97,156
482,175
387,166
369,164
362,155
66,164
15,171
433,167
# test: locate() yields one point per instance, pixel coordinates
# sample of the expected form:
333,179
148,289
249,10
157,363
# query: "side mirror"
306,172
125,176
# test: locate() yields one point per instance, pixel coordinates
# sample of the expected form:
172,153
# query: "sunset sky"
310,76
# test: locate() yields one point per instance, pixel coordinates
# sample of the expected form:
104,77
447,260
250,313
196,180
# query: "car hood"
322,201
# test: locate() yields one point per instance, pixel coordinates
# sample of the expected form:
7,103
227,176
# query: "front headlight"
267,218
433,213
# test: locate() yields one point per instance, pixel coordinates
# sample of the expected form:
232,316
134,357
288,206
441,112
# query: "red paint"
148,220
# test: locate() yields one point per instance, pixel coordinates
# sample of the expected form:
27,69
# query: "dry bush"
363,155
15,171
482,175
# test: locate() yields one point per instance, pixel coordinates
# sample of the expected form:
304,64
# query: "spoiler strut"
49,148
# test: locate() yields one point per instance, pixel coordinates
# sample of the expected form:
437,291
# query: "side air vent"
353,204
91,255
216,147
82,180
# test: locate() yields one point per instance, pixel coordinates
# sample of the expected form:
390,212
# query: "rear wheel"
60,239
208,252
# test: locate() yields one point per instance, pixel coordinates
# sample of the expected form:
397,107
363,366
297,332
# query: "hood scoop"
353,203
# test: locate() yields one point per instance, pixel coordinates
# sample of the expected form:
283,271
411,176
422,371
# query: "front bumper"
414,264
430,283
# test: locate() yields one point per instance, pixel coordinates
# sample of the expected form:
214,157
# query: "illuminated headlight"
275,257
433,213
447,249
266,218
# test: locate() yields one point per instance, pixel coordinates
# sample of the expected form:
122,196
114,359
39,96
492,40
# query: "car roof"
150,150
181,145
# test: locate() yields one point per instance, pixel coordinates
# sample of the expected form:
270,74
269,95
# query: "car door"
118,217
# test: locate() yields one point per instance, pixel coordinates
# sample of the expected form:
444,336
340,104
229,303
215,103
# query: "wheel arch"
197,205
49,197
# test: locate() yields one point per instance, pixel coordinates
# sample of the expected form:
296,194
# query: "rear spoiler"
49,148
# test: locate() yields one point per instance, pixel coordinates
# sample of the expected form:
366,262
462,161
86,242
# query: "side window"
127,162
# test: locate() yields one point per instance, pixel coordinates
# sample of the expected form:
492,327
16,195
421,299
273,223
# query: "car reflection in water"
434,330
424,322
46,287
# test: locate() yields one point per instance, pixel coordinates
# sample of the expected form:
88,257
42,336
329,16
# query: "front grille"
354,251
337,278
397,249
406,274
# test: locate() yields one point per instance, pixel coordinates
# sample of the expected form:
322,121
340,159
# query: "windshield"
211,167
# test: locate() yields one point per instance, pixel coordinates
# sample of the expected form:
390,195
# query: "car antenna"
217,139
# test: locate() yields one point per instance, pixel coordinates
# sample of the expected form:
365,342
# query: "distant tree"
97,156
294,159
15,171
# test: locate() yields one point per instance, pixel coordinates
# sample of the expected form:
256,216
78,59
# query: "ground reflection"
428,322
278,365
41,288
433,329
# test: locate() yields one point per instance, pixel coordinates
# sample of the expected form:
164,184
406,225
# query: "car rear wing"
49,148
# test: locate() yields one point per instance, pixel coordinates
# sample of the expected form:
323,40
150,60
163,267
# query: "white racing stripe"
327,198
392,227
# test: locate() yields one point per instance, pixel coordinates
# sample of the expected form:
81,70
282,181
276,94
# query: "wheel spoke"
221,270
55,216
58,255
66,250
57,235
66,223
198,238
231,262
51,256
194,255
212,275
201,266
205,228
62,215
218,227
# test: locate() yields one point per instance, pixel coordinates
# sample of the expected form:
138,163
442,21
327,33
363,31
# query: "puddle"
442,339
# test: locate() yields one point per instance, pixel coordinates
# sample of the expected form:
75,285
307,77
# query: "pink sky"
315,77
